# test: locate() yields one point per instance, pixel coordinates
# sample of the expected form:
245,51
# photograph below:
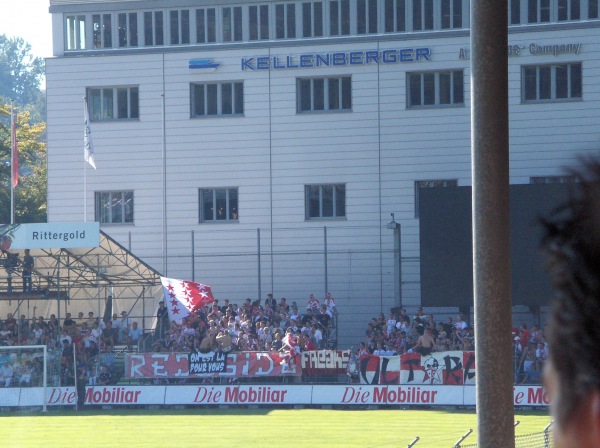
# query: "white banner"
64,235
272,395
388,395
267,394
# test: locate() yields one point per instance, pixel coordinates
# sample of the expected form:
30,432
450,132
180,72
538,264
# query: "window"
451,14
153,28
514,12
395,15
128,29
593,9
435,88
420,184
422,15
569,10
285,21
324,94
259,22
113,103
325,201
312,19
114,207
551,82
226,98
232,24
180,26
75,32
339,17
218,204
366,16
102,30
206,25
538,11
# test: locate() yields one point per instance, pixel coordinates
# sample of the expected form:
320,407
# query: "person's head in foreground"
572,377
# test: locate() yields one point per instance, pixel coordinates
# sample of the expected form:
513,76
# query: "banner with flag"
88,149
183,297
14,162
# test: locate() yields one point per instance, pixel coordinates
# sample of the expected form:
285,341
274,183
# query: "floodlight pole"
491,235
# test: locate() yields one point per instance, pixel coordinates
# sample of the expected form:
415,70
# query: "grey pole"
325,260
259,273
491,236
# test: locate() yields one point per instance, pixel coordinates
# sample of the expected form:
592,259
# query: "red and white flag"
183,297
14,163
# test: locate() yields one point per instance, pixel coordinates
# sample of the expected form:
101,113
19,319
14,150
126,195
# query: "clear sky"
30,20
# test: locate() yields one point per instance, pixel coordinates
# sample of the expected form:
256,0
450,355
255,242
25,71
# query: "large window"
113,103
422,15
206,25
325,201
514,12
551,82
366,16
569,10
75,32
324,94
442,88
258,22
312,19
451,14
153,28
218,204
210,99
285,21
180,26
128,29
437,183
114,207
538,11
339,17
395,15
593,9
232,24
102,30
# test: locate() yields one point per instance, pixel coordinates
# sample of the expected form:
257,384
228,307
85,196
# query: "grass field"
294,428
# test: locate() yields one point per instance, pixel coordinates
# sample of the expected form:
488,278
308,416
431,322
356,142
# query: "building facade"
263,146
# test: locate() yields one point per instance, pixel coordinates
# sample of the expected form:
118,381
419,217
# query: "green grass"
294,428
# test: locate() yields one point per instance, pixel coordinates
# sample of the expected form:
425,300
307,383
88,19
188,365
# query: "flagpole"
84,171
12,161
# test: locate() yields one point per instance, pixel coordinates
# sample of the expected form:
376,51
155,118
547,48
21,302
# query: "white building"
261,146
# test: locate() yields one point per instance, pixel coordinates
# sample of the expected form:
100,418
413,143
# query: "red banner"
175,365
325,362
440,368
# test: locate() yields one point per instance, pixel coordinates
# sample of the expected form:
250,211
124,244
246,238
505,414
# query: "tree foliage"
20,78
21,72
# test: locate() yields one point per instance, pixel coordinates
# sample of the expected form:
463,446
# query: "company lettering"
260,394
336,59
39,236
114,395
537,396
60,396
555,50
206,395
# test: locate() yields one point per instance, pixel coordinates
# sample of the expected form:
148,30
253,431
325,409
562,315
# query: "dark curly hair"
572,242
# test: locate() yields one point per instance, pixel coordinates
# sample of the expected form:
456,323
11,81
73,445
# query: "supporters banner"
207,362
325,362
440,368
239,365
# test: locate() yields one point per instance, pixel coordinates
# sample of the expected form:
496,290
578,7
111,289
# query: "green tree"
21,73
30,194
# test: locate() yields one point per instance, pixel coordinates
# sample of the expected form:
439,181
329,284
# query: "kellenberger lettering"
337,59
39,236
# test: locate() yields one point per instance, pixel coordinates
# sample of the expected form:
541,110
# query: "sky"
30,20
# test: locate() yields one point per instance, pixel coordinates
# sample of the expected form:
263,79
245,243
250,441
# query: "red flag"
14,163
183,297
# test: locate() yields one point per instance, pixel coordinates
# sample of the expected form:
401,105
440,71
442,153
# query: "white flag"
88,149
